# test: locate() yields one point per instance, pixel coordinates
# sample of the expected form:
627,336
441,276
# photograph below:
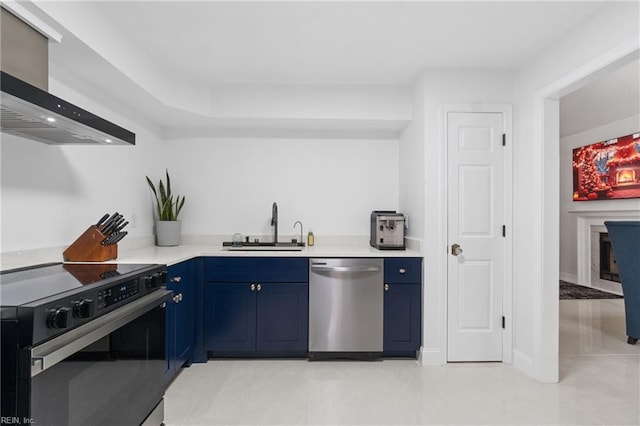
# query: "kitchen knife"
102,219
109,222
109,229
107,240
121,227
120,236
114,238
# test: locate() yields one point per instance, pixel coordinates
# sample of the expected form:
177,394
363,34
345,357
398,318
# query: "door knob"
456,250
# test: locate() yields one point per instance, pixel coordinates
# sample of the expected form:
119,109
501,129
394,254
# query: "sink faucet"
301,231
274,221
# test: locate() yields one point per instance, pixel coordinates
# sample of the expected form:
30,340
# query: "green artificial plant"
168,209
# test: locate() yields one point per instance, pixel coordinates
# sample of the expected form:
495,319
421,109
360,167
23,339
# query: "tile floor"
600,385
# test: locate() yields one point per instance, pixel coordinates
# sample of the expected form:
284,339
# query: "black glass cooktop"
25,285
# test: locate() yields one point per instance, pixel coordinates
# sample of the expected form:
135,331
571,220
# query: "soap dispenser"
310,238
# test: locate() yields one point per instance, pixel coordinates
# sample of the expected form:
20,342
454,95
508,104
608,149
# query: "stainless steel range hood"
30,111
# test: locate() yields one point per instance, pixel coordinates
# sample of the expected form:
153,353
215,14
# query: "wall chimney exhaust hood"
33,113
28,109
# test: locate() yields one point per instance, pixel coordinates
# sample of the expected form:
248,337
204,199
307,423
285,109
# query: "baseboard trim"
570,278
523,363
430,357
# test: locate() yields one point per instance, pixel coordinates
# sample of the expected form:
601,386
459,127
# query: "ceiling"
613,97
191,49
362,42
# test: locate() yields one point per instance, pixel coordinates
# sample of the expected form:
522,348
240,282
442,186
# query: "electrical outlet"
406,221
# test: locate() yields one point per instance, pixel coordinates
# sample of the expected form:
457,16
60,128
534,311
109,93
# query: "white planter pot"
168,232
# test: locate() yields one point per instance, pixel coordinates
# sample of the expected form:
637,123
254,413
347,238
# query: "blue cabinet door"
170,342
256,305
181,282
402,319
230,317
282,317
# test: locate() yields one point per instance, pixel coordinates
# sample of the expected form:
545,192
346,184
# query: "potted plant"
168,226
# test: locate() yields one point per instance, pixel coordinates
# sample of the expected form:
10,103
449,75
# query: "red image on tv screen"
607,170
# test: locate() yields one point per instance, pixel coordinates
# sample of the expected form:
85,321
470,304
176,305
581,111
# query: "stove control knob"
155,280
84,308
59,318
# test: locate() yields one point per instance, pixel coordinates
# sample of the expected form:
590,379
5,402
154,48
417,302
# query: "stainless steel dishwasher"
345,308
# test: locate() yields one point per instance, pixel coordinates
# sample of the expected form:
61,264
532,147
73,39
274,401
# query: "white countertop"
142,250
173,255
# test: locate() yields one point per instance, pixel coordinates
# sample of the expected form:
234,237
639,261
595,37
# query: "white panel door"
475,224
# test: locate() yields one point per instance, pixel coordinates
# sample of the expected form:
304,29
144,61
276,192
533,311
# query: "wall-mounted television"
607,170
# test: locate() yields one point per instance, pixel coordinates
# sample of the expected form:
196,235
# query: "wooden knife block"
87,248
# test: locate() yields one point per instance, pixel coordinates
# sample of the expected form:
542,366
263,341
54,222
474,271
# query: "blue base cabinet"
256,306
180,316
282,317
402,306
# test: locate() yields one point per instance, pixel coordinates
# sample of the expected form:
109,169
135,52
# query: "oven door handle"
50,353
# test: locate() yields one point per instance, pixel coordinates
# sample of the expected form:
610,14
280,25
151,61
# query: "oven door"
109,371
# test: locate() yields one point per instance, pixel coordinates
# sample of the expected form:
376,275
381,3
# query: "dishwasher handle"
354,268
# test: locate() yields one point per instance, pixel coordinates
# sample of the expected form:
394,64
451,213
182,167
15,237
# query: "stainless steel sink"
259,246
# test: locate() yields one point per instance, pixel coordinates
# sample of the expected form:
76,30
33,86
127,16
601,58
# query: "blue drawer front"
403,270
283,270
257,269
231,270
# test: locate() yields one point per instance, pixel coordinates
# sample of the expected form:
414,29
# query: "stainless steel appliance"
28,109
83,343
387,230
345,308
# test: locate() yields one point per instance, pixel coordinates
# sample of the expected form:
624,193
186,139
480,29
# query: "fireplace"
608,266
589,226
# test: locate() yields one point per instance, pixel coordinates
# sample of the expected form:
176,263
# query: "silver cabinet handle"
386,287
177,298
253,287
53,351
258,287
402,270
176,279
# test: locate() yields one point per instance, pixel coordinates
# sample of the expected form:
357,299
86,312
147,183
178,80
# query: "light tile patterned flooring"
600,385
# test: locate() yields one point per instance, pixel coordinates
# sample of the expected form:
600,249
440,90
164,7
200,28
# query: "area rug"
573,291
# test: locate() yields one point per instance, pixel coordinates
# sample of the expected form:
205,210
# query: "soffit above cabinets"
175,63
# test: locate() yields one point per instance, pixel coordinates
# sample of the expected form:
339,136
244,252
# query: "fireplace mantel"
588,223
608,214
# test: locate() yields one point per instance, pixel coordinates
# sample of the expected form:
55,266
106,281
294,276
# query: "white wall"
412,166
425,136
561,68
51,194
568,237
330,185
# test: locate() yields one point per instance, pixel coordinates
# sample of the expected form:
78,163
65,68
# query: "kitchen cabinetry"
402,306
180,315
256,306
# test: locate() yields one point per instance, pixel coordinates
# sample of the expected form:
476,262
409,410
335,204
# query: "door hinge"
504,230
503,323
504,139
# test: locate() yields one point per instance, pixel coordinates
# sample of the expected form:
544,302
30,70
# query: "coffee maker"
387,230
